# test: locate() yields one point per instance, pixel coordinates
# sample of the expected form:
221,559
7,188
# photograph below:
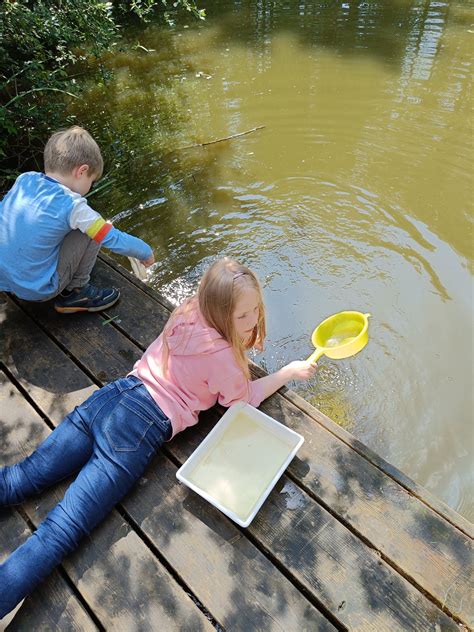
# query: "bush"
41,43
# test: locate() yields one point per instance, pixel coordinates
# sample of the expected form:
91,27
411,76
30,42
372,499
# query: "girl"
198,360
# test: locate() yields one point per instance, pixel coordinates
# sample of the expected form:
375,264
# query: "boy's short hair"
71,148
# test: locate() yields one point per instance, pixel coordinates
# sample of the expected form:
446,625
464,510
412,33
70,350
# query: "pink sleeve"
227,381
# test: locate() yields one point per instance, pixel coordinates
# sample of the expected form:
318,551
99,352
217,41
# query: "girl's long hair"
219,290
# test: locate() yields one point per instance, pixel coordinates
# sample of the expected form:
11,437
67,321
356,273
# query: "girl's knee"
13,490
60,534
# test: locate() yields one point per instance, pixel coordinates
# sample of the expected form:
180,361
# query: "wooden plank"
53,605
241,584
225,571
65,607
132,309
121,579
396,595
109,353
115,572
131,279
417,540
350,578
408,533
58,392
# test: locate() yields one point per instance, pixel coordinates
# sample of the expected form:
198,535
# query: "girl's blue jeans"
110,439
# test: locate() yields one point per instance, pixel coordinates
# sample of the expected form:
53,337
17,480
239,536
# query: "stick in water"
220,140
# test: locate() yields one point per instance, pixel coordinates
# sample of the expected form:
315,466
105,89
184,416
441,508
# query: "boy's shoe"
86,299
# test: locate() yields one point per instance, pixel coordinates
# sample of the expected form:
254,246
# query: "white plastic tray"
239,462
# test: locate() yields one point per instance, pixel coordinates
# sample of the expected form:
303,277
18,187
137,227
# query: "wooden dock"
344,541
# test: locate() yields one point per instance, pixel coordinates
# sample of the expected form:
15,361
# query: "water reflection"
356,195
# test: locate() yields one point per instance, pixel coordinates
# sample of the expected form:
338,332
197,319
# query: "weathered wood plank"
36,364
108,352
121,579
130,278
140,318
412,536
350,578
232,578
386,594
225,571
118,576
436,555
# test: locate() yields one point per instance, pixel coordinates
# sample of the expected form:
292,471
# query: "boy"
50,237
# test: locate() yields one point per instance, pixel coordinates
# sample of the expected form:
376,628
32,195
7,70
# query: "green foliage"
39,41
42,44
144,8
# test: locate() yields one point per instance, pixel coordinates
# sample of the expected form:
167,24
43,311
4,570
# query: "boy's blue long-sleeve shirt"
35,216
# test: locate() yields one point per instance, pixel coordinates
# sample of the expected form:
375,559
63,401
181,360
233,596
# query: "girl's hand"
301,370
297,370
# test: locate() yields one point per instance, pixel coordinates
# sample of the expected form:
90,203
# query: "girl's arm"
228,382
297,370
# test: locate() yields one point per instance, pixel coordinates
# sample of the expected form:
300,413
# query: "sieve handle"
317,353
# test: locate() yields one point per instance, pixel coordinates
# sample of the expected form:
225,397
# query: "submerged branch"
220,140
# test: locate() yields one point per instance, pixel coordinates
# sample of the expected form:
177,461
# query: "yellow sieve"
340,336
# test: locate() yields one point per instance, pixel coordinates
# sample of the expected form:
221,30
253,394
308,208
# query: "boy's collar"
50,178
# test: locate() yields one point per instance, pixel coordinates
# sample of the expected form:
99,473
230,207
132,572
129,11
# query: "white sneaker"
8,618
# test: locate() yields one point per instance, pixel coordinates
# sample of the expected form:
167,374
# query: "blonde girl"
198,360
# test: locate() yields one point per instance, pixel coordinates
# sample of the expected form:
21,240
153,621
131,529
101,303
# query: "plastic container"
138,268
239,462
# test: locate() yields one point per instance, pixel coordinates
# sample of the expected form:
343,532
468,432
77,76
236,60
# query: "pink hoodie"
202,370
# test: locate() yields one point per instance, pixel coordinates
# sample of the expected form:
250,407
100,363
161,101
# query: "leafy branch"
40,43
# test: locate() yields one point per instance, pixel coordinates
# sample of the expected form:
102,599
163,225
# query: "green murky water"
357,195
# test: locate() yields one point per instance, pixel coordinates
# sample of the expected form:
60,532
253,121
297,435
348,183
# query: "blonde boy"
50,236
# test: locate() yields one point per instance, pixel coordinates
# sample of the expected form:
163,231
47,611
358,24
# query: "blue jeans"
110,439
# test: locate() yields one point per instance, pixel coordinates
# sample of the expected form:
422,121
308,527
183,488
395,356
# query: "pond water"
356,194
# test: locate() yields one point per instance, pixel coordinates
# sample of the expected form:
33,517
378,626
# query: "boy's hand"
301,369
150,261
